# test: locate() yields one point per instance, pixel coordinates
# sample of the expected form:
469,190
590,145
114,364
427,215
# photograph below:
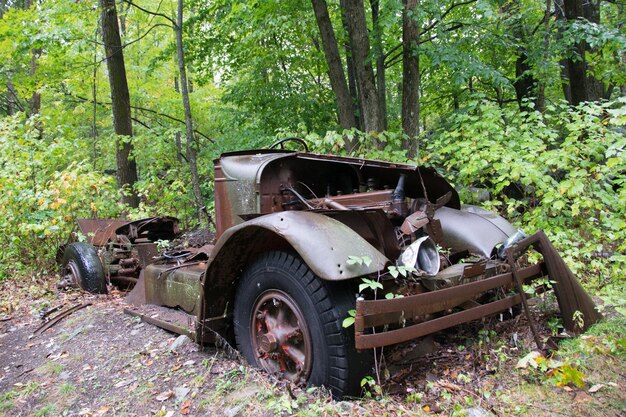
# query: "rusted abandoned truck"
304,241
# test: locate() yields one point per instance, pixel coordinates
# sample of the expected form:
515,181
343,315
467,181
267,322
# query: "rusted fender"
473,228
323,243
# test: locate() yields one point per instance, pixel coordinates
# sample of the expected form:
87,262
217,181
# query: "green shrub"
42,193
563,171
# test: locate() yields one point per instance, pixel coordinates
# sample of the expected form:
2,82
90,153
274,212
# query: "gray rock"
242,394
180,341
477,412
234,411
180,393
351,408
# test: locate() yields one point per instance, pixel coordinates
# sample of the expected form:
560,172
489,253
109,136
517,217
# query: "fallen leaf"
165,395
449,385
124,382
58,356
568,389
583,397
87,367
184,410
596,388
101,411
426,408
529,360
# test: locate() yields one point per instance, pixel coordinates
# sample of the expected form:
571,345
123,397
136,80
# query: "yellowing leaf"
165,395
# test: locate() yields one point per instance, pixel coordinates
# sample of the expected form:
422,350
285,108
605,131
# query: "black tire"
82,265
331,357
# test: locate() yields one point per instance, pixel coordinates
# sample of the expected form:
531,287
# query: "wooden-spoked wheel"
280,336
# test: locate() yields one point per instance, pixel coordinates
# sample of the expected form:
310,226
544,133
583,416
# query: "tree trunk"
621,18
410,78
381,83
120,99
541,88
35,99
354,12
622,88
184,89
350,70
177,139
582,87
11,102
345,110
94,97
524,83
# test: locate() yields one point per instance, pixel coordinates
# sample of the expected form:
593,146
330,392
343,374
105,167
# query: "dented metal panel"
475,230
150,229
174,285
236,191
99,231
324,243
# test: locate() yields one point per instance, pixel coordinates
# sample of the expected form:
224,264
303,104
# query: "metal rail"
376,313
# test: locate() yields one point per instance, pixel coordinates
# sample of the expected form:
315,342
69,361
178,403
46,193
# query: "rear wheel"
288,322
82,267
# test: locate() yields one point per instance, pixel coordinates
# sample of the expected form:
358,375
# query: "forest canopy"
524,100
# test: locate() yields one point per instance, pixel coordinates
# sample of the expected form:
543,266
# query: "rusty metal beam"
60,316
372,313
169,326
368,341
572,298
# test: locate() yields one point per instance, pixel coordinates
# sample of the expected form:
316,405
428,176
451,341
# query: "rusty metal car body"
297,232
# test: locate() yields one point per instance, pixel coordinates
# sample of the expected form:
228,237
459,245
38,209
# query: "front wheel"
289,322
82,267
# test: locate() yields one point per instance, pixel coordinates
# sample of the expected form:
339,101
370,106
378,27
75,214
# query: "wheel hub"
268,343
280,336
71,277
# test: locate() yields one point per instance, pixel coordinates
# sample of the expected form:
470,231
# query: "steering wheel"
281,143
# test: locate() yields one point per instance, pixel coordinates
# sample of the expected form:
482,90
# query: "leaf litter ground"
100,362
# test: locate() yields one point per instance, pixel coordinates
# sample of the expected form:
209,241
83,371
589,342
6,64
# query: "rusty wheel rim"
72,275
280,337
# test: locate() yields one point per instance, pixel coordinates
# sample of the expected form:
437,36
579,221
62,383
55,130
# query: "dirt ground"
99,361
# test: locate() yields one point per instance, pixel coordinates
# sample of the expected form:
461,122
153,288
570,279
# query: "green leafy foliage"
349,321
258,72
551,371
563,171
371,284
400,270
359,260
43,193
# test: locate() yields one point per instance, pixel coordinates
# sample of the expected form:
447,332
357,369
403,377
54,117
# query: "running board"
175,321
